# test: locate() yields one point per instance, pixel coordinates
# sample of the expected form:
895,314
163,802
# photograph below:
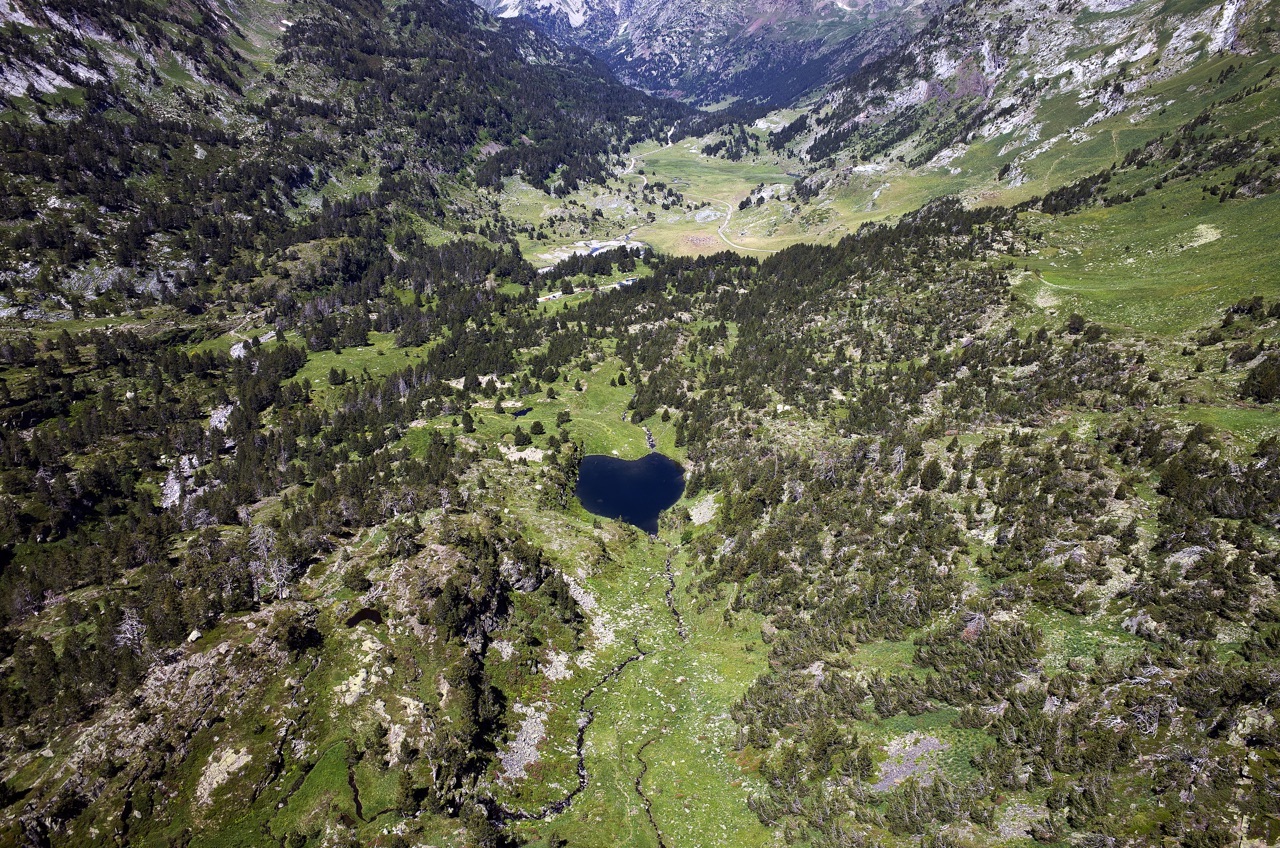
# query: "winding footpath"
631,165
728,218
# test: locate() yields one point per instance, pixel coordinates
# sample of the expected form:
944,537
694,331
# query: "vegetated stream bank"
673,701
645,799
671,600
502,814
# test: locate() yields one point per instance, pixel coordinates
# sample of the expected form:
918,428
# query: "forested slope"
962,526
165,148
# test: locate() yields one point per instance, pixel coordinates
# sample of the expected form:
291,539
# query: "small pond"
635,491
367,614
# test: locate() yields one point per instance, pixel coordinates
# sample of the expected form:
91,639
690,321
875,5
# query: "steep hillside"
1058,101
1028,77
769,51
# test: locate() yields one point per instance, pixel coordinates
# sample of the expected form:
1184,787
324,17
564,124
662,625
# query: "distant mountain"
707,51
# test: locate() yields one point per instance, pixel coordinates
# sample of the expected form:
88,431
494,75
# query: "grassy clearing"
887,657
674,702
1249,424
1166,264
599,419
710,221
377,359
1070,637
324,792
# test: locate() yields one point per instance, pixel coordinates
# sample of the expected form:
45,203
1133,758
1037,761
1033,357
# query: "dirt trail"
631,165
728,219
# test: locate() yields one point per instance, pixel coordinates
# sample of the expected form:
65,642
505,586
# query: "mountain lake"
635,491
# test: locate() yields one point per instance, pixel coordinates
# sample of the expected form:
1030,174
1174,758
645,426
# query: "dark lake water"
635,491
366,614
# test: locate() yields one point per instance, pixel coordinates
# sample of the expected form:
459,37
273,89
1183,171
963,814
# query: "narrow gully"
671,602
645,799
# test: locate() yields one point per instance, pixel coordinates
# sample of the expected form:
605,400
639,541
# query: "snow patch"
574,10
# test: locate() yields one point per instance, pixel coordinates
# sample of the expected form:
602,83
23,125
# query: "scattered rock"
523,750
220,417
1018,820
914,754
557,666
219,771
1188,557
703,511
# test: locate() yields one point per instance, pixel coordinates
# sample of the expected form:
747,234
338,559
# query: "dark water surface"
366,614
635,491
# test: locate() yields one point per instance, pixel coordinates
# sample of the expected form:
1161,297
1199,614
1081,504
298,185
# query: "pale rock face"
523,752
222,765
10,12
1224,30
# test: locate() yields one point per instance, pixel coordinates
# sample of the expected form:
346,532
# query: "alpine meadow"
628,424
